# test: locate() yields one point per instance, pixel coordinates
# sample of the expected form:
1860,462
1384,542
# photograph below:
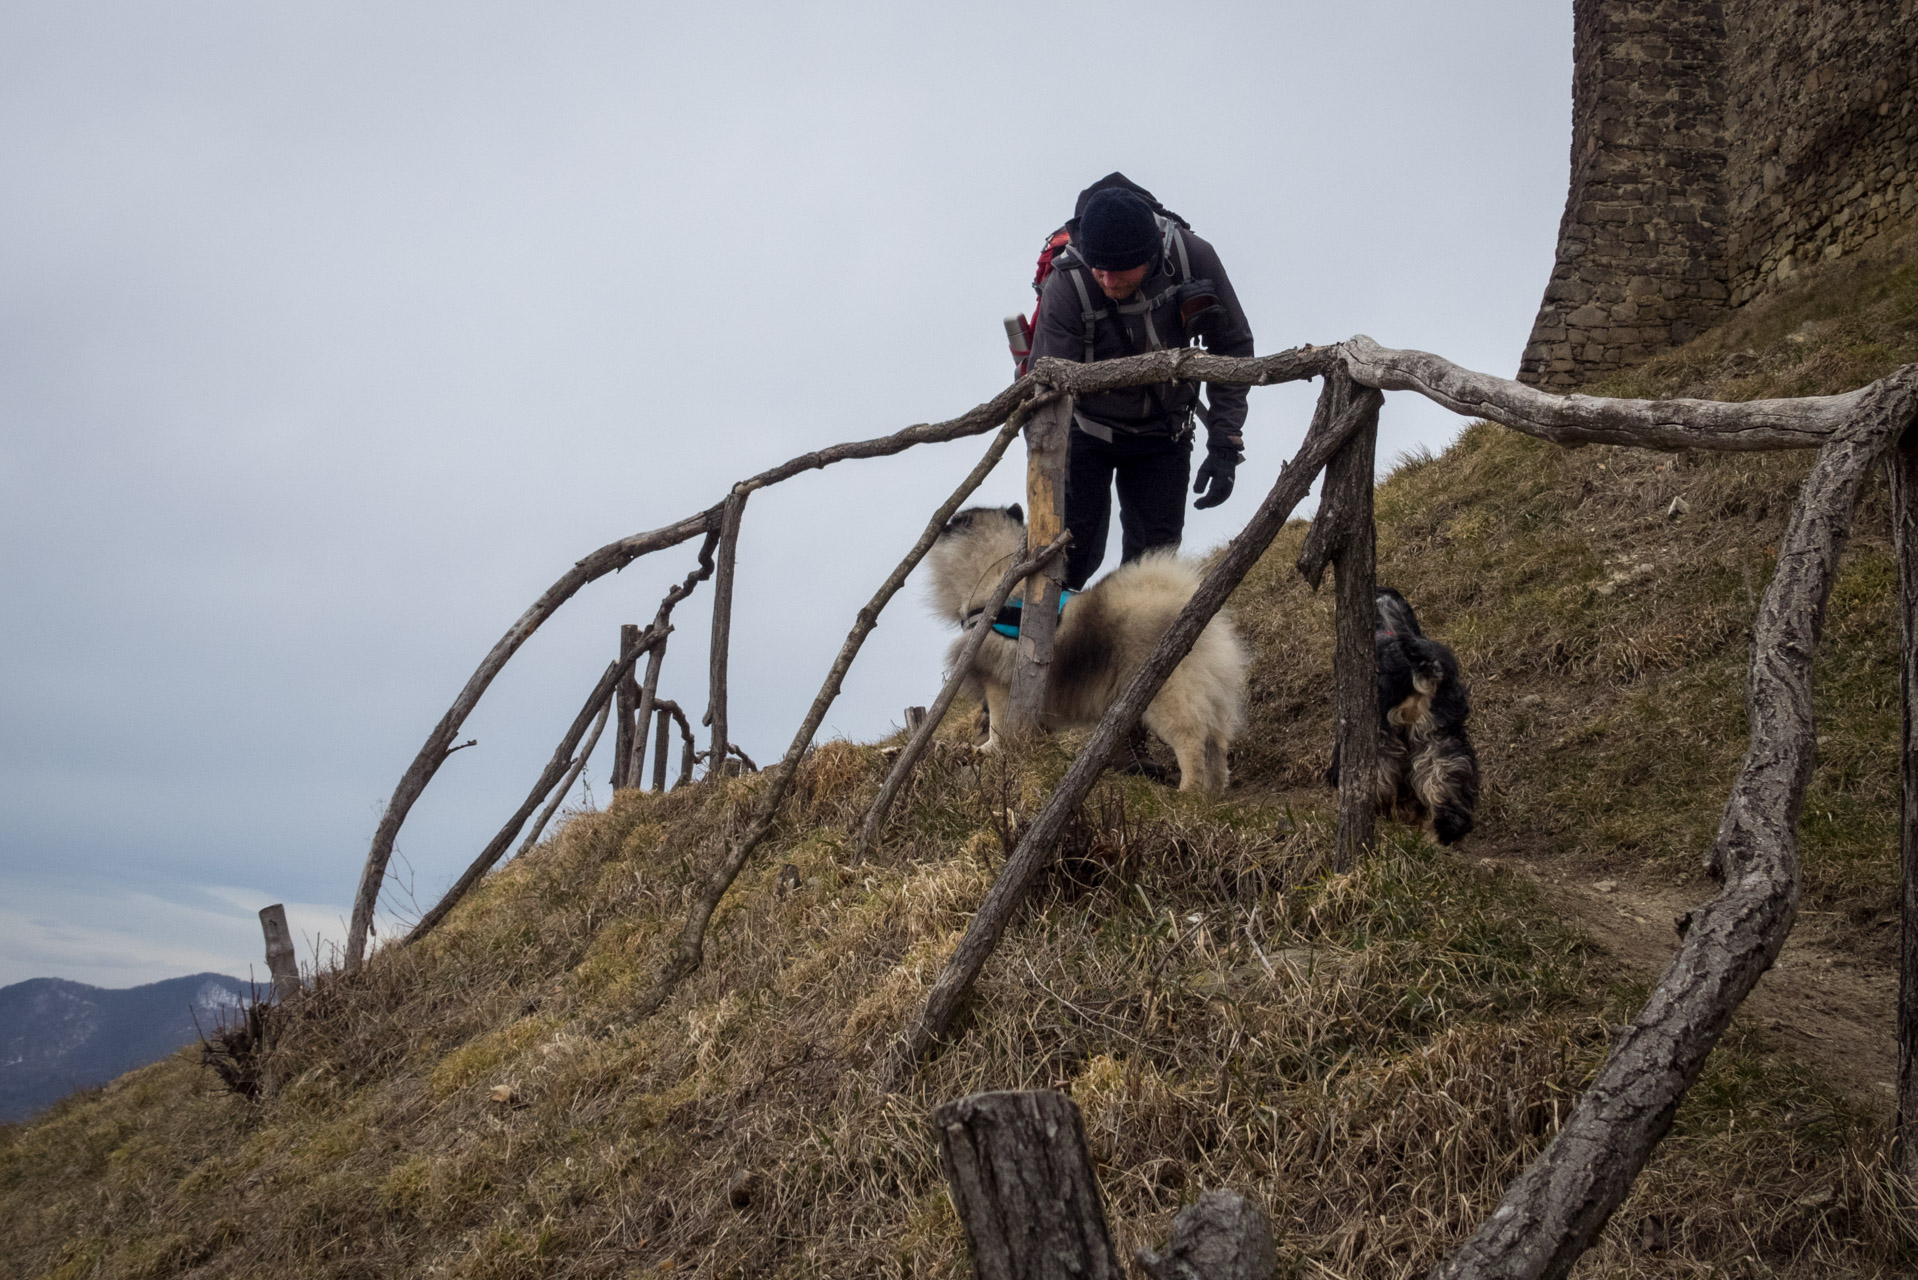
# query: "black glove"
1215,476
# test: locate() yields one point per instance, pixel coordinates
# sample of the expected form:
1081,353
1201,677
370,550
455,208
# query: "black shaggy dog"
1428,772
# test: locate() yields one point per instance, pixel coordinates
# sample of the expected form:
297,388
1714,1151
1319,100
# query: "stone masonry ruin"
1717,150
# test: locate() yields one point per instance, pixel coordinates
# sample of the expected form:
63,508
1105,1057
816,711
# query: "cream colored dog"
1105,634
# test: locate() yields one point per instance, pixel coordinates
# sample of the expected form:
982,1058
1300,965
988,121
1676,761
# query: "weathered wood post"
1903,462
1344,536
662,741
1023,1184
648,696
1220,1236
1047,436
626,699
281,961
723,629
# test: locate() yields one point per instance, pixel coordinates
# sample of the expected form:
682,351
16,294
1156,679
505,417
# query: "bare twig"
929,722
689,746
686,956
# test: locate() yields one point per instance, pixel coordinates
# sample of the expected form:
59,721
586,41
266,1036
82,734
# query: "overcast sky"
331,334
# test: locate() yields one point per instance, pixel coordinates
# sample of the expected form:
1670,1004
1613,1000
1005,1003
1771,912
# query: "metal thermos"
1019,338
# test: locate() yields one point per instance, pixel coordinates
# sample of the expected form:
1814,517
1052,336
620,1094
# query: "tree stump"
281,961
1024,1188
1223,1236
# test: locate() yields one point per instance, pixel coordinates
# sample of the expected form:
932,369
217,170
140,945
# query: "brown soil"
1826,1005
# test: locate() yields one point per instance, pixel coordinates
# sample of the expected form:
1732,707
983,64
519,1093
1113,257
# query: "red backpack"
1018,327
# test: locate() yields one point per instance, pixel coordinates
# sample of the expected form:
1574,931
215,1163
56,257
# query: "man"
1135,279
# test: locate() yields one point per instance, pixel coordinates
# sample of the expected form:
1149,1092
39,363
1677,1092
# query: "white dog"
1105,634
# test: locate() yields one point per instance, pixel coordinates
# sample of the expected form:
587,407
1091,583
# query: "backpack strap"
1087,315
1172,245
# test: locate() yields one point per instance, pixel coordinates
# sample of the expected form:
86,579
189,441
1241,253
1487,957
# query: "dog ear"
1394,613
1017,512
1423,656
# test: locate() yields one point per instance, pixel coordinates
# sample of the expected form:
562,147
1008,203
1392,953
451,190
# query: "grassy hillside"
1375,1054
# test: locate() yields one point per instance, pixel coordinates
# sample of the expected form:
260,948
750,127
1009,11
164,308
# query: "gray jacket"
1135,326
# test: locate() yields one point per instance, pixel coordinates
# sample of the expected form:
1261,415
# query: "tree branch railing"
1553,1211
686,956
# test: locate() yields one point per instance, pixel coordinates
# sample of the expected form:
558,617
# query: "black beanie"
1117,231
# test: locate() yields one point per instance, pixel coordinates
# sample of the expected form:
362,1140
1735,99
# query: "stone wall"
1824,132
1640,248
1717,148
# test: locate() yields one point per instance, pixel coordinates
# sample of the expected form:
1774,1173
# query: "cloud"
122,939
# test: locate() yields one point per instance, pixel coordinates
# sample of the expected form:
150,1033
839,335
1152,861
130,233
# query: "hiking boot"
1135,757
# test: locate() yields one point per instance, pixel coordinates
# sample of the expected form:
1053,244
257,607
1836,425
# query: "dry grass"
1375,1055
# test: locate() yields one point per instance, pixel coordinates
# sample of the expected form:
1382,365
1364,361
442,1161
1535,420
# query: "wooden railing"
1552,1212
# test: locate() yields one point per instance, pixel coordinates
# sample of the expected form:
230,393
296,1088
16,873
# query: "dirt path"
1826,1007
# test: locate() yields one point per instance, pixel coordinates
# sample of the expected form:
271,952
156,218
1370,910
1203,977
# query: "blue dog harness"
1006,622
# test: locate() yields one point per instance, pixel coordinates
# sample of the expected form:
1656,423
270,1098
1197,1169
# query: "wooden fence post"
1023,1184
1903,461
723,630
1344,535
648,696
1047,436
662,742
281,961
625,700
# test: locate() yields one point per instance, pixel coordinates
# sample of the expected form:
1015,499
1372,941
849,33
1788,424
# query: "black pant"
1152,472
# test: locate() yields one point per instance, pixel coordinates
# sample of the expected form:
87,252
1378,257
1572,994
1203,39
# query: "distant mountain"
57,1036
